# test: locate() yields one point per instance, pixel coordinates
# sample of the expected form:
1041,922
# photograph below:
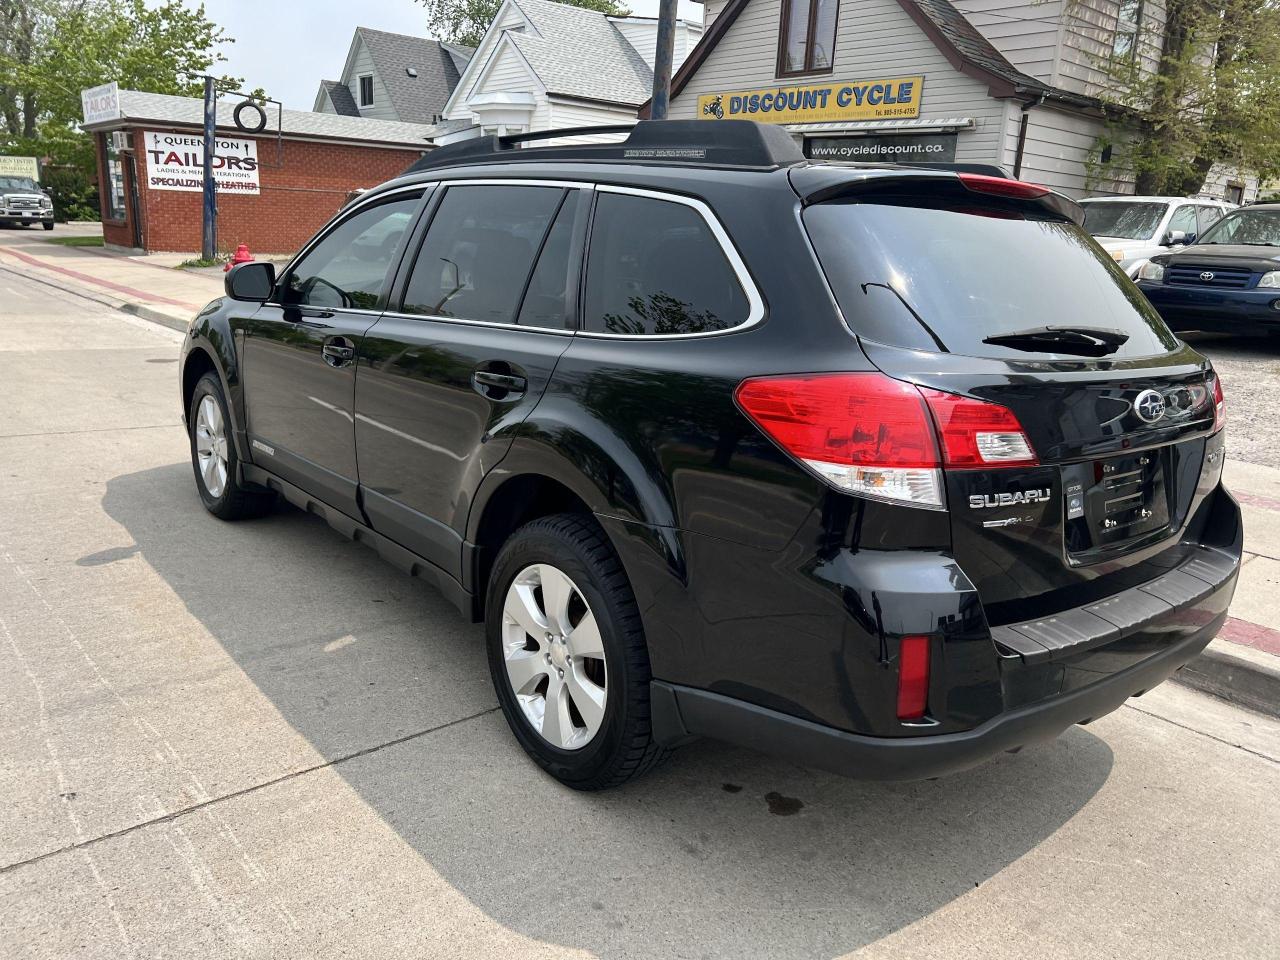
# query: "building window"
1234,193
366,90
115,184
1128,26
807,36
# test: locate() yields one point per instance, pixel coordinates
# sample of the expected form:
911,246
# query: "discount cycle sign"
175,161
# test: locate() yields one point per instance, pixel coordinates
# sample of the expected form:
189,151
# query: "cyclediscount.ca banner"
175,161
901,148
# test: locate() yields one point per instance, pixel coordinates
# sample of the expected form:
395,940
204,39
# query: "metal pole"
209,220
662,60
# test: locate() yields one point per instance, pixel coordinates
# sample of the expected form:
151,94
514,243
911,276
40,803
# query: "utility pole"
662,60
209,219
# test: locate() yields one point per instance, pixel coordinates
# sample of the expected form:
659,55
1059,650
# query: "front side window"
479,250
1184,219
1124,45
1206,217
366,90
348,268
807,36
655,267
1250,227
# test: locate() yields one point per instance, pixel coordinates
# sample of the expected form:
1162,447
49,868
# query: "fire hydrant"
242,255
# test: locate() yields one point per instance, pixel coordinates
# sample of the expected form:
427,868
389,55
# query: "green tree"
52,49
465,21
1202,88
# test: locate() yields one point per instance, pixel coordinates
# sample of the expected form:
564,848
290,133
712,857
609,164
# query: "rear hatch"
1006,299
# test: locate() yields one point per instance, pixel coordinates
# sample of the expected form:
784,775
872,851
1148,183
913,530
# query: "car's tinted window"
969,274
1184,219
1128,221
348,268
655,267
1261,227
1206,217
548,295
478,251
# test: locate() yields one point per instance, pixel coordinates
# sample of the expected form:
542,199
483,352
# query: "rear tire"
214,458
596,660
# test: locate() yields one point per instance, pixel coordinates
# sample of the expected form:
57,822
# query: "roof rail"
713,143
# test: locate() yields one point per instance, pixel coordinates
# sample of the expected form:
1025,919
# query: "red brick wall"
301,190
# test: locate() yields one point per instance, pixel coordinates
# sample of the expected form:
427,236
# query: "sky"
288,46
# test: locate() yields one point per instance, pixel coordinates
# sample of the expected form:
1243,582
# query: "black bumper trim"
681,712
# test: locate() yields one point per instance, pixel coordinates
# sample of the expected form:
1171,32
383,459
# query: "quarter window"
655,267
348,268
366,90
547,298
807,36
479,250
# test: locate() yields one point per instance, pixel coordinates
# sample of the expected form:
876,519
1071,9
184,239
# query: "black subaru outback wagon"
883,469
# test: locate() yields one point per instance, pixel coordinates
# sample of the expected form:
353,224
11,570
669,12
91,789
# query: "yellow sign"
894,99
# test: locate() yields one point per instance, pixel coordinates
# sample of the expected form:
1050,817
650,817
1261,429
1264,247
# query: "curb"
1238,675
140,310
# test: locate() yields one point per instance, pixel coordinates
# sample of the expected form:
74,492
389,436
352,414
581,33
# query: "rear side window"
655,267
479,250
944,276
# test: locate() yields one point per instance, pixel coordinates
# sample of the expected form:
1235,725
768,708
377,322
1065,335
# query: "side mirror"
1173,238
251,281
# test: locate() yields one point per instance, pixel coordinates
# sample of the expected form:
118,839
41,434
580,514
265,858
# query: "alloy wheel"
554,656
211,446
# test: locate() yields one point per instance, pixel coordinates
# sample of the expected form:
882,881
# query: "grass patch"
90,241
199,262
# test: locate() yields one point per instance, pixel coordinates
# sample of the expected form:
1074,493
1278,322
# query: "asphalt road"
256,740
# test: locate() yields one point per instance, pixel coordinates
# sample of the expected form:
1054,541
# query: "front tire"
214,458
567,654
48,225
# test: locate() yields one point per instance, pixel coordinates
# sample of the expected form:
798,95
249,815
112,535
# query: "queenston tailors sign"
175,161
893,99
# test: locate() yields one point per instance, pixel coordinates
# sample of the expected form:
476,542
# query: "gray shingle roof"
415,99
165,110
580,54
339,95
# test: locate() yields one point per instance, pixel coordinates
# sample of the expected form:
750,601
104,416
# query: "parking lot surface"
257,740
1250,371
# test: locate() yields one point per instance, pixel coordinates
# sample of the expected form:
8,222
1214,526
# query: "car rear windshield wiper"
1082,341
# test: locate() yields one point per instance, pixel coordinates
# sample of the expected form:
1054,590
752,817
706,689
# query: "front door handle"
338,351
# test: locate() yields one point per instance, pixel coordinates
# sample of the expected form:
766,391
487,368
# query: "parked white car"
1135,229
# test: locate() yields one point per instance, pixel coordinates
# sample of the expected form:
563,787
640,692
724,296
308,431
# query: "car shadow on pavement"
720,852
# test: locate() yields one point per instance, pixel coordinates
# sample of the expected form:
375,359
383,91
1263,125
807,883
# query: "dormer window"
366,90
807,36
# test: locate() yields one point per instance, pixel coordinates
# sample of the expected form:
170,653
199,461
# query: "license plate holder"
1115,500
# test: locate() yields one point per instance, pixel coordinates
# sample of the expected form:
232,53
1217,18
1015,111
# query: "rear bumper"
1203,308
1180,613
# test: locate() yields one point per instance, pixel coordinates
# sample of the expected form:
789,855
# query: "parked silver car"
1135,229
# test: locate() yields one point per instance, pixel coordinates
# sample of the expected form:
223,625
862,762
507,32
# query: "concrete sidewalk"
1242,665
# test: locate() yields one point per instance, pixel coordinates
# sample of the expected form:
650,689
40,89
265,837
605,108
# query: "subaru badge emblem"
1207,276
1149,405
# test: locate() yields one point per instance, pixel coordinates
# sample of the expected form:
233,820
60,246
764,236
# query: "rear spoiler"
818,183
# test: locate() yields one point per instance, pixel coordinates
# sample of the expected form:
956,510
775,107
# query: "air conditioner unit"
121,140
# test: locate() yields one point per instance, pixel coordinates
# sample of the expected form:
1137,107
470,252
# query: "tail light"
1002,187
1219,405
869,434
913,677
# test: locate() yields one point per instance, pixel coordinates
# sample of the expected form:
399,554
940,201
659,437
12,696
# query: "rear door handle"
338,352
488,380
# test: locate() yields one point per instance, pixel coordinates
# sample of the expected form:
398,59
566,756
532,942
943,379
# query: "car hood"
21,195
1119,243
1240,255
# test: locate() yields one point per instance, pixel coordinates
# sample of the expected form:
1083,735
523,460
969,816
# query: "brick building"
274,191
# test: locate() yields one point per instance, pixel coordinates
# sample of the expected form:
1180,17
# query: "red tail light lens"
913,677
872,435
1219,405
1001,187
976,433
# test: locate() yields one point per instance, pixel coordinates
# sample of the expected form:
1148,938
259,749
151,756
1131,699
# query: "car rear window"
1125,221
945,275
